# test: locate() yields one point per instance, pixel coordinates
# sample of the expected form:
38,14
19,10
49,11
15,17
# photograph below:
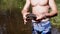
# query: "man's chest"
39,2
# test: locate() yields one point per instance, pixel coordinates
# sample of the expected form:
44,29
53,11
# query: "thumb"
37,18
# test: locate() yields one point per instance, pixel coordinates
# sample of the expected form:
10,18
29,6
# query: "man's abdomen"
40,10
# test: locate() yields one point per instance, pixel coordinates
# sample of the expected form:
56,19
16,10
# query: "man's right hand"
24,17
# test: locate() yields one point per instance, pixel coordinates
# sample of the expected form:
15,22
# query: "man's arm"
25,10
53,8
26,7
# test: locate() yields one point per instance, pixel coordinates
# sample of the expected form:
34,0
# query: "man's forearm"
52,13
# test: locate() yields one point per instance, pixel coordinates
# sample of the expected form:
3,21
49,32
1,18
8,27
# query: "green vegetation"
56,20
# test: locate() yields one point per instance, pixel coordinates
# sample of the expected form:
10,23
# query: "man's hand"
25,10
40,17
24,17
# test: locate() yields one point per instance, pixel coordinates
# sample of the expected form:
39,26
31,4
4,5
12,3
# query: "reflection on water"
11,23
3,29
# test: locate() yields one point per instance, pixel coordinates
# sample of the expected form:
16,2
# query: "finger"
39,18
25,21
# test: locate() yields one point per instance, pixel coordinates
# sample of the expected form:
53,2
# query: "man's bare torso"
40,7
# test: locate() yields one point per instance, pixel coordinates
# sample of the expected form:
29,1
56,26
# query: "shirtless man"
40,8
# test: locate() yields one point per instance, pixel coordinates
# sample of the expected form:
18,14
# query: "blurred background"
11,21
